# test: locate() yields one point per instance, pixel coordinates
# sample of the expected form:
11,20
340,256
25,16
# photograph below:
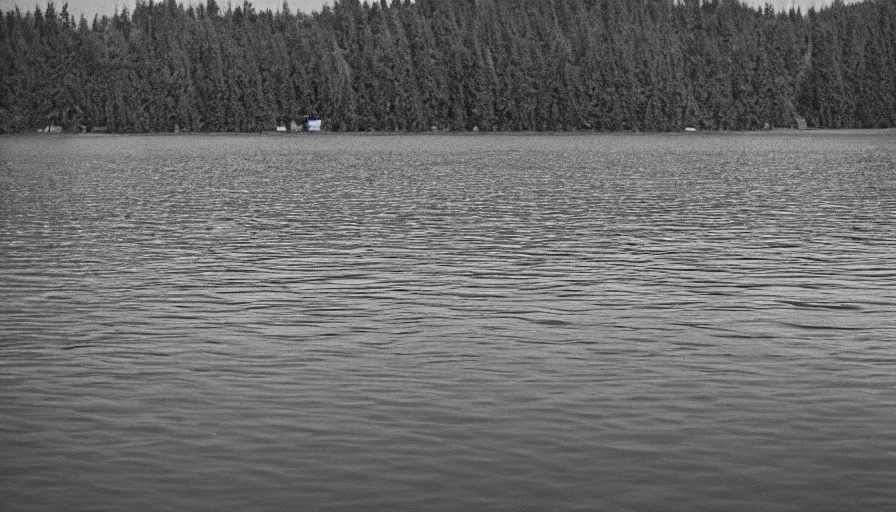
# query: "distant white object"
281,128
690,129
313,125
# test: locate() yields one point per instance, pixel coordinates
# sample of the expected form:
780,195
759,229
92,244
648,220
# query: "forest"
504,65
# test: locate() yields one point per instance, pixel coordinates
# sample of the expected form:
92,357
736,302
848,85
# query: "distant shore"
469,133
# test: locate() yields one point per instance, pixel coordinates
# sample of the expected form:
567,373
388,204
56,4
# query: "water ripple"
497,322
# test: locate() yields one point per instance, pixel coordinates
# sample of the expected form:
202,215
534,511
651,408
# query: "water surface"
493,322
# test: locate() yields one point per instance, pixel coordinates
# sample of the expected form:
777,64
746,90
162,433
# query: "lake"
448,322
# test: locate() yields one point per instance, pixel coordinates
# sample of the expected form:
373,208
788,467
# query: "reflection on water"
620,322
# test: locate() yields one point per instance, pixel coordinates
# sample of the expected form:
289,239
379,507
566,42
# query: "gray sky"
91,7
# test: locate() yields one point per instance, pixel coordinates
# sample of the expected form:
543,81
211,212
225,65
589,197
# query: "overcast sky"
91,7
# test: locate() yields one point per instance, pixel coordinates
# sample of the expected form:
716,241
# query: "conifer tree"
452,64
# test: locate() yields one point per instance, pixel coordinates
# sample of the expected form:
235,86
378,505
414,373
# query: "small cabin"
312,123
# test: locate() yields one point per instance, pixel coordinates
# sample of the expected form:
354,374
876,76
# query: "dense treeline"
452,64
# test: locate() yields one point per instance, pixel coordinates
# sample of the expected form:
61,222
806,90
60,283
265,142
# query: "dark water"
632,322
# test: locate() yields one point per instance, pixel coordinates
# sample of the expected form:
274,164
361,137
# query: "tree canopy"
451,64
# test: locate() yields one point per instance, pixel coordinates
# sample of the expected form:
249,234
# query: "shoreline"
774,131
